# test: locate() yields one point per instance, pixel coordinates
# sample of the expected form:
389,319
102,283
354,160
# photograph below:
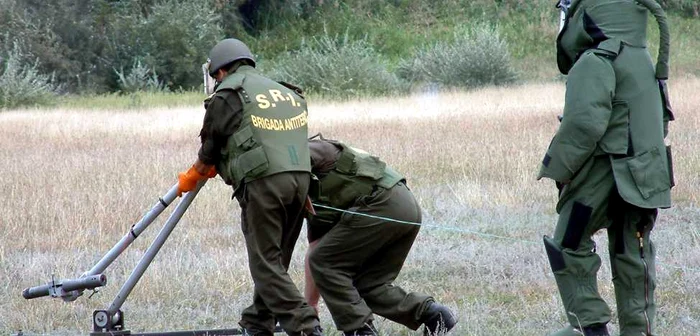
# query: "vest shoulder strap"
233,81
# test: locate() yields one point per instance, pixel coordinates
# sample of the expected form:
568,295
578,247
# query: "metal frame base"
211,332
104,322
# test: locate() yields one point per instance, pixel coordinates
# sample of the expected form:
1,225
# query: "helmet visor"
209,81
563,6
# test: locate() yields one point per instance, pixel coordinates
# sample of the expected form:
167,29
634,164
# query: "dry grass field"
72,182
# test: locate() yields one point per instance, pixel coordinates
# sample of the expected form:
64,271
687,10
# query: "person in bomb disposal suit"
610,161
254,135
354,259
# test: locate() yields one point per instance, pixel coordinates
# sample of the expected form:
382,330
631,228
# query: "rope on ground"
441,227
476,233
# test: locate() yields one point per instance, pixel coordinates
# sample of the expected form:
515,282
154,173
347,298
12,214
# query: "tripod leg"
153,249
135,231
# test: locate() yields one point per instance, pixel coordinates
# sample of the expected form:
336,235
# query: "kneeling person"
353,259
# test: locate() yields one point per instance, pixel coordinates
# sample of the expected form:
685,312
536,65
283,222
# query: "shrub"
140,78
173,38
337,67
65,37
478,56
23,85
689,8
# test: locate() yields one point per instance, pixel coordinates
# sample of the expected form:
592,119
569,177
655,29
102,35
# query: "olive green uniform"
358,259
255,133
610,162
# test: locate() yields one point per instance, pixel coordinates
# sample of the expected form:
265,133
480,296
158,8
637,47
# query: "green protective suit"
358,258
609,161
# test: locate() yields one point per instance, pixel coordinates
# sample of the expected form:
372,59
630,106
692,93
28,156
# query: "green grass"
141,100
81,178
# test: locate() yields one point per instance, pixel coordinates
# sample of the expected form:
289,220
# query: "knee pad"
579,219
554,254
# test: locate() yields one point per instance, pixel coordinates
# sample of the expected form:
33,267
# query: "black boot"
246,332
596,330
316,331
437,319
592,330
366,330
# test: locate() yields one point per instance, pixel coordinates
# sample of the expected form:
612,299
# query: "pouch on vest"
369,166
391,178
244,138
649,173
355,175
250,164
253,161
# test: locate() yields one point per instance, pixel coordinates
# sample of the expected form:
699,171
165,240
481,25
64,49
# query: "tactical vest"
356,174
272,137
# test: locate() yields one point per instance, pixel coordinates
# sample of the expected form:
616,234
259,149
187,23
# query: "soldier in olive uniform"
354,259
255,135
610,161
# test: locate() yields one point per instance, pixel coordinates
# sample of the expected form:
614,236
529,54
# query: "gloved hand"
212,172
186,181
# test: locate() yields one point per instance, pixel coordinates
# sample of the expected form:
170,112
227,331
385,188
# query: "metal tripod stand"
110,321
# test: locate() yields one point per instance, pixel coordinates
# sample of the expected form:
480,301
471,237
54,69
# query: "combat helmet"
227,51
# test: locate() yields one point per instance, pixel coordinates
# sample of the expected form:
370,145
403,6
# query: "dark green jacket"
614,105
272,136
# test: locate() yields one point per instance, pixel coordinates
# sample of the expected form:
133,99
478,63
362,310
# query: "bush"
689,8
337,67
23,85
139,78
65,37
477,57
173,38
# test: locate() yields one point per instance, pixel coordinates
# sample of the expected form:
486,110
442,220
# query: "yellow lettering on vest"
292,100
254,119
263,103
276,95
273,124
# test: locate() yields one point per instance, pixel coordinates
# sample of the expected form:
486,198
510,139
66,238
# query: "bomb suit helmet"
226,52
586,23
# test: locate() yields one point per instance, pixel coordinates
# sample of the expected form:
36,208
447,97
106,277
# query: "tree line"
94,45
97,46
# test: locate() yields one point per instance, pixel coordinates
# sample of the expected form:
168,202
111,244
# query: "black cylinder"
35,292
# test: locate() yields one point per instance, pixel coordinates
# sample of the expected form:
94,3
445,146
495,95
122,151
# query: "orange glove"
186,181
212,172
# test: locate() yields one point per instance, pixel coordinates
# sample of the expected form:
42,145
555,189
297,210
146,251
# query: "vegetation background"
329,47
102,105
